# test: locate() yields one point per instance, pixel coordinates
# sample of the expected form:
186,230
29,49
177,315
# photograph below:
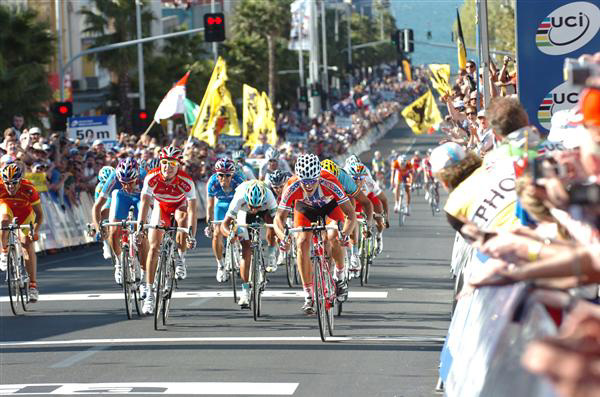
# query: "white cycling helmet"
308,166
352,159
272,154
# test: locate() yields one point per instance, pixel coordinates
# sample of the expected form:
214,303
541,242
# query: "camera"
577,73
584,194
546,167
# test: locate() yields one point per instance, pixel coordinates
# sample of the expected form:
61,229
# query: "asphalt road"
77,340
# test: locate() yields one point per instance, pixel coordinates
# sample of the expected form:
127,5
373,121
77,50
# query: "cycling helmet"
357,169
12,173
352,159
417,153
153,163
330,166
105,173
127,170
308,166
446,155
256,193
171,152
238,155
277,178
272,154
143,164
224,165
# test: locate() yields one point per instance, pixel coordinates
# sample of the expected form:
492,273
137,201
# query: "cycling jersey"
402,171
415,162
169,193
112,183
347,183
215,189
328,189
121,202
238,203
378,165
20,204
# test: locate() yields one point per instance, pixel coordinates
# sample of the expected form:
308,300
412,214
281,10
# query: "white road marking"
199,294
199,340
75,358
146,388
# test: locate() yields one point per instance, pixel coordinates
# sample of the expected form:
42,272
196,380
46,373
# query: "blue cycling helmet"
128,170
238,155
256,193
153,163
105,173
277,178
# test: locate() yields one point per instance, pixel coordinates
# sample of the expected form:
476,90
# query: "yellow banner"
406,69
422,114
217,113
252,107
38,179
440,78
269,120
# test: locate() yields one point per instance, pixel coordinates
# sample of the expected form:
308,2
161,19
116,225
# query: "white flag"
174,102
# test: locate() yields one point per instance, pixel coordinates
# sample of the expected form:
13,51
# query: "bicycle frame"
17,278
257,279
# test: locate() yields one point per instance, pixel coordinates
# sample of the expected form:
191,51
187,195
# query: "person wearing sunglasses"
19,199
252,201
314,194
174,194
402,174
220,190
100,210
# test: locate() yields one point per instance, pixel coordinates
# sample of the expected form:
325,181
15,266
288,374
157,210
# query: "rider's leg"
30,259
245,260
303,240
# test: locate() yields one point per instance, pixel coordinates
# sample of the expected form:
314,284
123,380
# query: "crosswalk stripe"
208,339
146,388
199,294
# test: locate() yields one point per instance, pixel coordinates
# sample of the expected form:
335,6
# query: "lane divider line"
69,361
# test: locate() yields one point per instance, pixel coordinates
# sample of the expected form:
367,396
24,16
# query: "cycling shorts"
161,213
120,204
24,217
304,214
373,199
244,217
220,210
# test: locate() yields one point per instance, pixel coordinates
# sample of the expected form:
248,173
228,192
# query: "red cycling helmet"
171,152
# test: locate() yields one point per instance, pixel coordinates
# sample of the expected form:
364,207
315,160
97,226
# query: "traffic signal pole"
115,46
140,54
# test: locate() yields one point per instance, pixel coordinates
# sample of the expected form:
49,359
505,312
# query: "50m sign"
91,128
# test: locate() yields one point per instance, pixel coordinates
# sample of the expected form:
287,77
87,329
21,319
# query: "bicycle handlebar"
315,228
168,228
16,226
121,223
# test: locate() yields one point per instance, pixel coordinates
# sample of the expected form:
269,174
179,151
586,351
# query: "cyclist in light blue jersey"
105,173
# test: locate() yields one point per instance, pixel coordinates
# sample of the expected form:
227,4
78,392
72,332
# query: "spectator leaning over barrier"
260,150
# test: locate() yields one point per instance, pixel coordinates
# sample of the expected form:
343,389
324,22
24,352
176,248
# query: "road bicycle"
325,294
131,271
434,196
164,278
290,263
403,207
233,258
366,249
17,278
258,279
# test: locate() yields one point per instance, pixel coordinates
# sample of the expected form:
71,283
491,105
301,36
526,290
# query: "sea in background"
435,16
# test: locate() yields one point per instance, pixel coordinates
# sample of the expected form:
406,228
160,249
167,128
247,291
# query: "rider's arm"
362,198
96,209
192,215
279,223
384,204
39,217
348,210
226,225
145,206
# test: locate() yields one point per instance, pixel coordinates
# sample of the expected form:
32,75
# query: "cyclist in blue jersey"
219,193
104,174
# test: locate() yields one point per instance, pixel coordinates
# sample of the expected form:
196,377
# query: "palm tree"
26,49
115,22
269,20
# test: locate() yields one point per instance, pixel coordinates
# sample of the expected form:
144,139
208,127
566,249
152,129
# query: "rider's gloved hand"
98,236
345,240
191,243
208,232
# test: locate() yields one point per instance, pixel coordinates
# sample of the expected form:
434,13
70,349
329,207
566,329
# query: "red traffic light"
62,109
142,115
214,21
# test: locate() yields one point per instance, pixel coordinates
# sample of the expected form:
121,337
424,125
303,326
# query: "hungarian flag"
460,44
174,102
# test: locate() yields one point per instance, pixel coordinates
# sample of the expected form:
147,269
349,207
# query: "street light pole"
324,34
214,44
140,55
59,38
315,101
350,82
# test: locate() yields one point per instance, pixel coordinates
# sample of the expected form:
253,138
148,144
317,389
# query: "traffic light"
397,39
141,120
408,44
214,27
59,112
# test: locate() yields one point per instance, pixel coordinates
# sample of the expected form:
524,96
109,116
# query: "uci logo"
563,96
568,28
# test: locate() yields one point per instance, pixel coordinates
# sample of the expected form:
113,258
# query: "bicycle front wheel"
24,284
126,282
14,292
169,286
319,285
256,295
231,268
289,268
330,295
159,281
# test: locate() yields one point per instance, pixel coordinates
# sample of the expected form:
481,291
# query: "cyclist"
104,174
219,193
429,180
243,168
402,174
362,203
314,193
19,199
276,182
274,162
379,167
252,200
415,163
125,194
173,192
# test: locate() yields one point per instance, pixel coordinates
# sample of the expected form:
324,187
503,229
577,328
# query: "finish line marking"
200,340
145,388
199,294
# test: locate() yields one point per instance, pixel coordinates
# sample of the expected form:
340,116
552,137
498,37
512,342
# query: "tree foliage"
26,49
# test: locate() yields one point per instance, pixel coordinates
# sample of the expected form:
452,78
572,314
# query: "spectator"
18,124
260,150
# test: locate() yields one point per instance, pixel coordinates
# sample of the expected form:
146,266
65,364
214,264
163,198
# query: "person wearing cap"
35,134
260,150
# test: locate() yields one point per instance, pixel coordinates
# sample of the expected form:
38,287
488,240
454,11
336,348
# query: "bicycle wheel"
363,252
230,266
339,305
289,269
136,285
370,251
24,286
126,282
12,279
262,281
159,281
255,285
169,287
330,296
320,297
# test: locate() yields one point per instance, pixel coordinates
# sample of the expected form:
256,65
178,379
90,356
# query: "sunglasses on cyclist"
253,208
224,175
359,178
172,163
309,182
11,184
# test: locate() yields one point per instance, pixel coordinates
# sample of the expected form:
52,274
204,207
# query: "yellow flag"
269,120
460,45
440,78
406,69
422,114
251,115
217,113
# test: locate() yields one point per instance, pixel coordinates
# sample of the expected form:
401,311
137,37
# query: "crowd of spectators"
545,230
71,166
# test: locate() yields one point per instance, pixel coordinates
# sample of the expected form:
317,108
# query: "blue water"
436,16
